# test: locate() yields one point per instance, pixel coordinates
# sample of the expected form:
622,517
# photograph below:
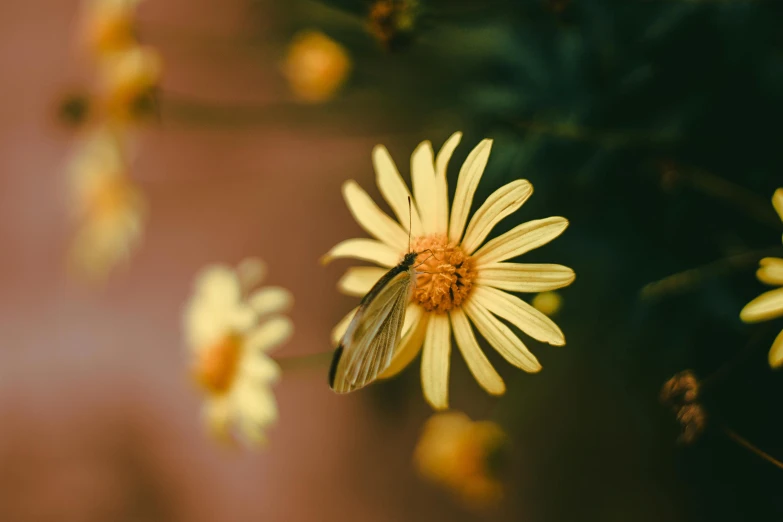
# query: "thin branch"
688,279
748,445
608,138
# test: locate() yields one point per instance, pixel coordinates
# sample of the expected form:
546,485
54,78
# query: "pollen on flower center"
217,365
446,274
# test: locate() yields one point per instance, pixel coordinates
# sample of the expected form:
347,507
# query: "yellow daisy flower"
230,326
107,205
316,66
769,305
464,282
108,25
457,453
127,81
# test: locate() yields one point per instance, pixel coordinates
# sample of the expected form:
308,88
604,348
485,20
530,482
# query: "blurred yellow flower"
457,453
108,25
127,82
108,207
316,66
461,280
548,303
230,326
769,305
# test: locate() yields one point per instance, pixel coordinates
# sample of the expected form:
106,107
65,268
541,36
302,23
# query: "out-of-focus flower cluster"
107,206
461,455
681,393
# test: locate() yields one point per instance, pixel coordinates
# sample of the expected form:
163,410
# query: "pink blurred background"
99,418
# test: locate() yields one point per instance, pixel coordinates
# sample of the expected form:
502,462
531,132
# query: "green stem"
304,362
608,138
688,279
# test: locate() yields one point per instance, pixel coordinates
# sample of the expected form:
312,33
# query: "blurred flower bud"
464,456
316,66
548,303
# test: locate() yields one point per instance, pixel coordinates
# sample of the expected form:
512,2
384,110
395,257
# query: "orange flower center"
217,365
446,274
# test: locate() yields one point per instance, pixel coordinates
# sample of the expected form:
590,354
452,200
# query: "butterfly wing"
369,342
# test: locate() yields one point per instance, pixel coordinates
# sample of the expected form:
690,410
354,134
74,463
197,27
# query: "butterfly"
367,347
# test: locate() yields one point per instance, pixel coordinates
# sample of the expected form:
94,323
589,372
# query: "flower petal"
469,176
435,362
520,239
365,250
423,178
502,338
415,329
525,277
768,305
372,219
776,352
339,330
257,409
393,189
216,413
260,368
219,284
251,272
771,271
358,280
441,183
501,203
478,363
270,300
519,313
777,202
270,334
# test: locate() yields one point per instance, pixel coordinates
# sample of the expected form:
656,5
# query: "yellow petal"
219,284
771,271
469,177
270,300
365,250
777,202
372,219
519,313
270,334
478,363
435,362
768,305
776,352
520,239
358,280
441,182
260,368
216,413
423,177
502,338
416,328
501,203
394,190
525,277
250,272
339,330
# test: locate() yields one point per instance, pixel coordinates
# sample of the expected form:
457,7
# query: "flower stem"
688,279
608,138
751,447
304,362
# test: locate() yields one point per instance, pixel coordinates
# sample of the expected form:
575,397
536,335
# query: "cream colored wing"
368,345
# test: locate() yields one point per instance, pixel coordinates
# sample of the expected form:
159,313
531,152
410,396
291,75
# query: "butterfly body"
367,347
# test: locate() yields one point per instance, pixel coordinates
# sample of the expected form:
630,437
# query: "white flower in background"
230,327
108,207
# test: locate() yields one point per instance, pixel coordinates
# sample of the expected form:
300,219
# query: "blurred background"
653,126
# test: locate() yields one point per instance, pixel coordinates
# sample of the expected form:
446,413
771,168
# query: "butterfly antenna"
410,222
